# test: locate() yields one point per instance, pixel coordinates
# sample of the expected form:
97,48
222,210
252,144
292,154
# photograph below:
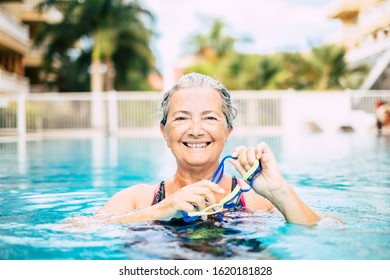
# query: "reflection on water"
22,155
210,240
202,239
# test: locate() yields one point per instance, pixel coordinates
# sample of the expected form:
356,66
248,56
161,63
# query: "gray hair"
194,80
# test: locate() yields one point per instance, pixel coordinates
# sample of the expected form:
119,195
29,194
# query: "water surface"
44,183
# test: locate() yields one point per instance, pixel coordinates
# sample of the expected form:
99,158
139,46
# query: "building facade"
365,34
20,61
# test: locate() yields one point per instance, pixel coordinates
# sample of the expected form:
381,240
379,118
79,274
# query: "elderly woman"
197,117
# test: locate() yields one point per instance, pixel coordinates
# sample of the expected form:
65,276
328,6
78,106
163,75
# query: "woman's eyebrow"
189,113
181,112
210,112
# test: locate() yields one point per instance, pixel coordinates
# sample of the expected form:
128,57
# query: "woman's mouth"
196,145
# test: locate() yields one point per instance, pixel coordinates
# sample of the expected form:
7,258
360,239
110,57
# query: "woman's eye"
179,119
211,118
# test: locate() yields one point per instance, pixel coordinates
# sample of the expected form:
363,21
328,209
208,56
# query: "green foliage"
116,32
213,44
73,75
323,68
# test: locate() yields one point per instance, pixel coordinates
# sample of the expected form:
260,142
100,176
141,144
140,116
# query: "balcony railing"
368,49
32,3
343,8
14,28
375,18
12,83
34,57
30,12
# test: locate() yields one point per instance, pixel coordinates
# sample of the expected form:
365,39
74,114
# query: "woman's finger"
236,151
187,207
237,165
260,149
209,185
198,202
243,159
251,156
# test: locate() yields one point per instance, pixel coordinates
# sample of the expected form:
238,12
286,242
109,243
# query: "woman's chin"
198,160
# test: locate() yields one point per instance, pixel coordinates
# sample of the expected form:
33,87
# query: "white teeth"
196,145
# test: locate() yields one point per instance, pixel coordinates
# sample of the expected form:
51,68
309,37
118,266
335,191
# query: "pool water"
46,182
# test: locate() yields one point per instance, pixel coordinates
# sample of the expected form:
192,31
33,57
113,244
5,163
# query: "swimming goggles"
231,199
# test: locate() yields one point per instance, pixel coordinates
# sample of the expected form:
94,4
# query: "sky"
271,25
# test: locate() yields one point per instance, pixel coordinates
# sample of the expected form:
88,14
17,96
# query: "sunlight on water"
45,184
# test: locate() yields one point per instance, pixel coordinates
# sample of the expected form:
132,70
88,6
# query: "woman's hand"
271,184
270,179
189,197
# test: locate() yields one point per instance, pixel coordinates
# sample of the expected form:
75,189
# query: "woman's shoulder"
131,198
143,194
138,191
141,188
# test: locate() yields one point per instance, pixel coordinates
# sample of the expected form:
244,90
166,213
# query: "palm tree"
328,64
214,45
116,34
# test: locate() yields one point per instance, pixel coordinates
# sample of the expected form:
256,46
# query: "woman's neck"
186,176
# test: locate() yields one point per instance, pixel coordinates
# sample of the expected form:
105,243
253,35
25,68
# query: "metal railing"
11,82
14,28
139,111
258,108
365,100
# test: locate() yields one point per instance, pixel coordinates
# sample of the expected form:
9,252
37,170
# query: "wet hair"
196,80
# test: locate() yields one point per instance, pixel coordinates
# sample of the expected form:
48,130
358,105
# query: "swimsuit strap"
240,201
159,193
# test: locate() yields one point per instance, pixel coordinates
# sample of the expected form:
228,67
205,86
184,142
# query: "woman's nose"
196,128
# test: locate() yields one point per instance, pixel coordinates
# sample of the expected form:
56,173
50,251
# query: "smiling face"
196,128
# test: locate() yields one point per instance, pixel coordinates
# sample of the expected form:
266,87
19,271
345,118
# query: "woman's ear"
228,132
164,134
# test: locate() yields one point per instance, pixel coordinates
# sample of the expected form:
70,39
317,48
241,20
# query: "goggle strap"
220,217
187,218
230,205
220,174
220,171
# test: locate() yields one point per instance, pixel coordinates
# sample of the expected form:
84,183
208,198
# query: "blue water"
44,183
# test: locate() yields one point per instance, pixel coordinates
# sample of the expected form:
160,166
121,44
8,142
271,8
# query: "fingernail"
221,190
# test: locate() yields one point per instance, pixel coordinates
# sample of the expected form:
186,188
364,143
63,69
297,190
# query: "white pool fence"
138,112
